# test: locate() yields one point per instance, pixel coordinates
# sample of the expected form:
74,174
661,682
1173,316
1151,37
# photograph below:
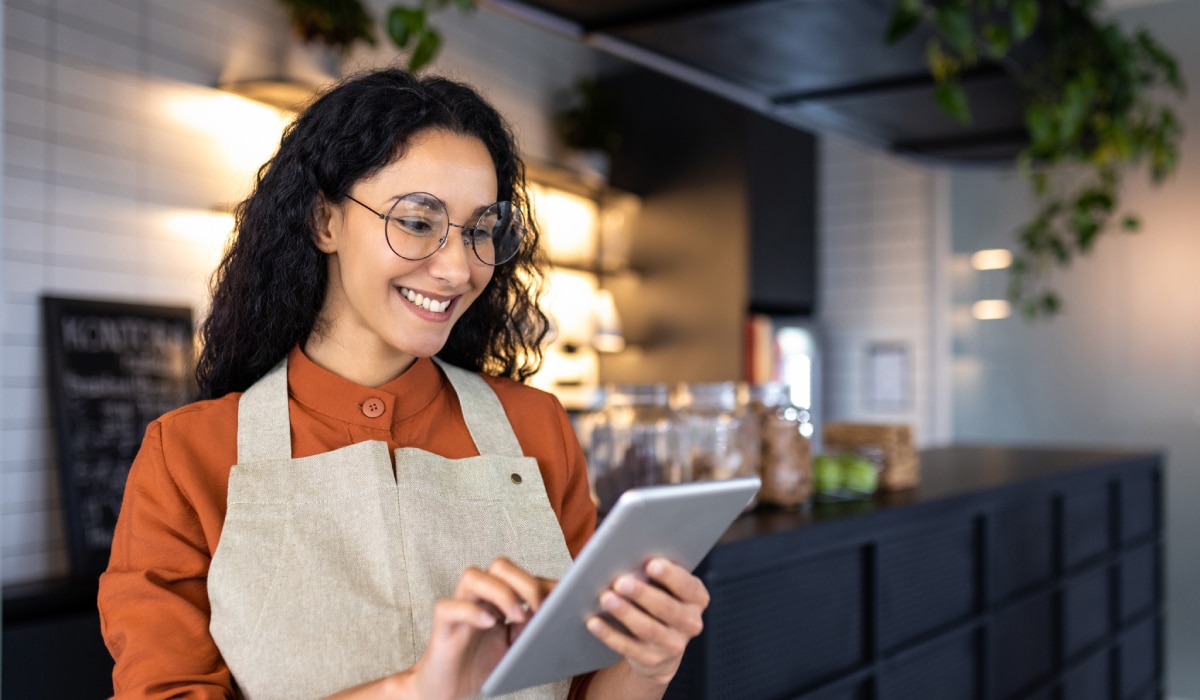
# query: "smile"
424,302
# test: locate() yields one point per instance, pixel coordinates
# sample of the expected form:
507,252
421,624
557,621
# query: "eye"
418,225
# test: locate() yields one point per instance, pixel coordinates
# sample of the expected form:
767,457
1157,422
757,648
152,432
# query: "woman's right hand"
473,629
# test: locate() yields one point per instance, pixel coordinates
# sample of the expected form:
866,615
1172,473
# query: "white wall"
878,266
1121,366
113,132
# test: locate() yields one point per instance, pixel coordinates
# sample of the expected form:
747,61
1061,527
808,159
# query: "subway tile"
34,488
24,152
35,566
24,365
21,109
106,248
100,16
117,173
104,51
172,68
26,238
25,28
22,316
26,70
42,528
77,203
24,407
186,44
25,445
84,82
86,281
22,193
112,133
24,277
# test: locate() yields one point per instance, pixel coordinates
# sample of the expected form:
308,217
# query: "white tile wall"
876,255
96,160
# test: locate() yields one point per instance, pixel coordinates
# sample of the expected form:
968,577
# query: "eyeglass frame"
387,219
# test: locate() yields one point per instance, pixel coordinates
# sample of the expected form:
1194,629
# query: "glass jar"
711,440
784,444
630,442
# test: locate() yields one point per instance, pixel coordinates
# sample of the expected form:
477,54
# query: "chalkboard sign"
112,369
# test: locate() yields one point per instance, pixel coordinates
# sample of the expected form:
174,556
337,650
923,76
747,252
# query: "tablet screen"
678,522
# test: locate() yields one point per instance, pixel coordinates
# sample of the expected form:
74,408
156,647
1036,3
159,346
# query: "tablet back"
679,522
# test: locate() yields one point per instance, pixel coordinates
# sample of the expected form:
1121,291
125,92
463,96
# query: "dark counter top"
948,475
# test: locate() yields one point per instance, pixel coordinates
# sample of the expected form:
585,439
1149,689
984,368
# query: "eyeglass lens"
418,224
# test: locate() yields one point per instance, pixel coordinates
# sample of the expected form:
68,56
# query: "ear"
328,221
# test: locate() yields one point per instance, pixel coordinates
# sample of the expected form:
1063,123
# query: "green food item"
859,474
827,474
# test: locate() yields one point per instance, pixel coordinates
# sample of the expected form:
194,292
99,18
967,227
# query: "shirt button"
373,408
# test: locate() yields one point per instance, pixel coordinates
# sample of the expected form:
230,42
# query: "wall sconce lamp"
991,309
991,259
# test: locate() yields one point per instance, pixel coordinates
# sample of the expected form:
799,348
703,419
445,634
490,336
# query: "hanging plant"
409,26
340,24
1091,115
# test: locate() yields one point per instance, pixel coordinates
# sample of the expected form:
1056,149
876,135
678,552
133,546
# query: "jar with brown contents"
630,442
785,450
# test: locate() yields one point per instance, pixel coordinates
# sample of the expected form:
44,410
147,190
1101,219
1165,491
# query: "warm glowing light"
568,302
606,331
567,223
203,233
248,132
991,259
990,309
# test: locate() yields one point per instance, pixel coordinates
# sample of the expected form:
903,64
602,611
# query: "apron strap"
264,431
488,424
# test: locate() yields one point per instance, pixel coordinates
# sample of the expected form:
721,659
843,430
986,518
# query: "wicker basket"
892,444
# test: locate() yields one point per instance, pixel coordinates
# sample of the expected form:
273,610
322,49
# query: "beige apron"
329,566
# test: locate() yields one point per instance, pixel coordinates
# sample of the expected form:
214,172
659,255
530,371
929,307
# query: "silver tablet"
680,522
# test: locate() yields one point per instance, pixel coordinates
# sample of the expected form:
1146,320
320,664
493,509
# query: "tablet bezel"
680,522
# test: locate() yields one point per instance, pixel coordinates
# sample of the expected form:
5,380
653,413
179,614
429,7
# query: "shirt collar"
322,391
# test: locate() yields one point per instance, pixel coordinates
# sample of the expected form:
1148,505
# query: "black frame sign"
112,368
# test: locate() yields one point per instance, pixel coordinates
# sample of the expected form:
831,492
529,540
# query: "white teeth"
424,302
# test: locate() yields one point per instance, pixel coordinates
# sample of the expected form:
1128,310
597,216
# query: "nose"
452,262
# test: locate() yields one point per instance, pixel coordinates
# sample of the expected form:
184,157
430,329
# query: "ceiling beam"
666,15
902,83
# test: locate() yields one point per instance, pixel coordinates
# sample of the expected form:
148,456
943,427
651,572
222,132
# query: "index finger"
677,581
531,589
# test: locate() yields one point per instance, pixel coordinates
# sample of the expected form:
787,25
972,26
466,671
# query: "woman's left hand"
662,614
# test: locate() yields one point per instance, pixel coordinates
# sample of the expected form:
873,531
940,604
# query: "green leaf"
1024,18
1050,303
427,47
942,66
953,20
903,22
953,100
403,23
997,39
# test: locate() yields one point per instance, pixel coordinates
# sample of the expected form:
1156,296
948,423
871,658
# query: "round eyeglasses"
417,226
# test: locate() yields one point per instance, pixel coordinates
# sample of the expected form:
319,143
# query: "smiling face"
381,311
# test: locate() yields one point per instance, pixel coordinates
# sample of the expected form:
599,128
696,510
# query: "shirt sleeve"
153,599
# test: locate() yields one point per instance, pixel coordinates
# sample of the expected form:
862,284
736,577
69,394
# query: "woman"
340,515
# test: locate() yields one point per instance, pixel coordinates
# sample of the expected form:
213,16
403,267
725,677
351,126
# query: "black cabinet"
677,139
781,189
1007,574
52,643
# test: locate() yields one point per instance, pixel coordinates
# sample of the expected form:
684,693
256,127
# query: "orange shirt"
154,598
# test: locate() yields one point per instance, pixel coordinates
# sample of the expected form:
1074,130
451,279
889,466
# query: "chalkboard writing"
112,369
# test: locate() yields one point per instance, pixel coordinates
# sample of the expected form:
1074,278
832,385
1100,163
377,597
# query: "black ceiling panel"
819,64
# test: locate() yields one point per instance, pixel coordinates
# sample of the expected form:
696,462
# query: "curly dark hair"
270,284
